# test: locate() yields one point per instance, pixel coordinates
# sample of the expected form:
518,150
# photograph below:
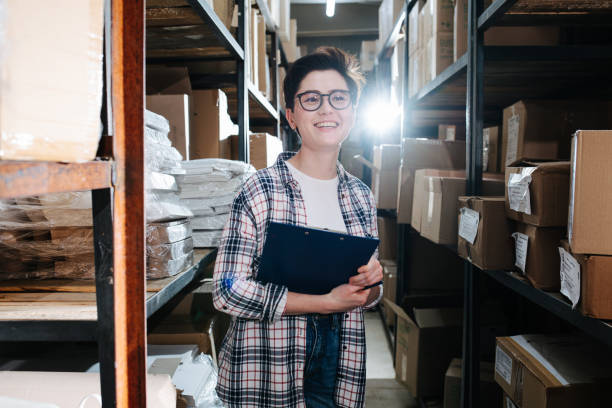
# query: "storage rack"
476,88
117,311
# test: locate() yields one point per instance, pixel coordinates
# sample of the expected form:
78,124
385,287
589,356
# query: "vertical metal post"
470,397
243,79
128,210
275,80
103,250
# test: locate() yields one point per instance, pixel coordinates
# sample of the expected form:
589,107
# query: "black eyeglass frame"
350,95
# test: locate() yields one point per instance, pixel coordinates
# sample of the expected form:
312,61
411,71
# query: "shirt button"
346,316
345,347
224,307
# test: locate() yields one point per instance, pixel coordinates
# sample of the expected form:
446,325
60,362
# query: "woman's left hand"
367,275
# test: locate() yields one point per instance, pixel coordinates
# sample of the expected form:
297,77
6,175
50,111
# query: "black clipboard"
311,260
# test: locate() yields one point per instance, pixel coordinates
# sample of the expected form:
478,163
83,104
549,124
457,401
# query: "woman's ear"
290,118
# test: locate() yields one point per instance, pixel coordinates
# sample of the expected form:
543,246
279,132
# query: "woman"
286,349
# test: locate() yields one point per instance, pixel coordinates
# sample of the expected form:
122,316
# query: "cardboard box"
435,269
440,204
595,284
175,108
553,371
389,288
263,149
413,22
387,234
261,55
425,345
388,13
284,29
440,54
491,138
447,132
590,212
367,55
424,154
538,193
52,115
419,196
493,245
210,124
542,257
254,47
509,36
386,160
167,80
541,130
490,394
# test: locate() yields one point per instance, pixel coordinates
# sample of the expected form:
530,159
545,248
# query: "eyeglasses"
312,100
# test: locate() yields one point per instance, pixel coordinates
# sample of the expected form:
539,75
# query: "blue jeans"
322,353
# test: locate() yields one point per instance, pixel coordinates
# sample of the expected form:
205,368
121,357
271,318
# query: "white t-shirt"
320,200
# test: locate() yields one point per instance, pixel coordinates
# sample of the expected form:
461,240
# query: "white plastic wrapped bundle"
72,209
159,157
165,206
206,239
156,122
163,268
214,222
212,188
168,232
160,181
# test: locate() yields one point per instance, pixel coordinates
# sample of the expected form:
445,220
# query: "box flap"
549,166
397,310
567,359
441,317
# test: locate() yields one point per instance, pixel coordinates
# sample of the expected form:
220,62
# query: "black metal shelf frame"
472,67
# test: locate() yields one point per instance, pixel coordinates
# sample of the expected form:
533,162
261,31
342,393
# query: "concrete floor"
381,388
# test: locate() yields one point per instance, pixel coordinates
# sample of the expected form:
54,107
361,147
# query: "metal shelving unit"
113,310
475,89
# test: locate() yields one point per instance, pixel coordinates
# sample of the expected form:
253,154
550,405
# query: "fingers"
368,275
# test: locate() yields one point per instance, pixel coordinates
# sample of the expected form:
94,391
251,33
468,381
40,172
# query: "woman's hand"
367,275
346,297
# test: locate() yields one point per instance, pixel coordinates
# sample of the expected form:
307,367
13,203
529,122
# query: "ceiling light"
330,8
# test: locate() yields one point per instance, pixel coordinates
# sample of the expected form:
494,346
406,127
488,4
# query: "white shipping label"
509,403
570,277
468,224
430,203
521,245
518,190
513,135
503,365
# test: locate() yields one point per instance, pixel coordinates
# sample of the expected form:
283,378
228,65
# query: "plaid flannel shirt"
261,362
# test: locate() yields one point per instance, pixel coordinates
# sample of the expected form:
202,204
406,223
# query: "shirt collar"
287,178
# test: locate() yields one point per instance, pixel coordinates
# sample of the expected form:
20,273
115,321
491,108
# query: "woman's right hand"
346,297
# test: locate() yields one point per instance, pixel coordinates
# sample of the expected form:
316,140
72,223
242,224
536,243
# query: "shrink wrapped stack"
169,242
48,236
208,188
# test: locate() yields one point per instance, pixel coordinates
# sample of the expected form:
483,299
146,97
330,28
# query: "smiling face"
326,127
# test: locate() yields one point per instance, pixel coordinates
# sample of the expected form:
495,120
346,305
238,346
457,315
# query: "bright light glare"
330,8
381,116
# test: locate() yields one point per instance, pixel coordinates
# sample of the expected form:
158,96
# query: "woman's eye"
339,98
311,99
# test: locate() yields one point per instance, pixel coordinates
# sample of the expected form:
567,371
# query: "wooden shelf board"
23,178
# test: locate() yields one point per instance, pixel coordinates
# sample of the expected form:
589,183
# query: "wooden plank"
172,16
51,297
166,3
38,312
19,178
48,285
557,6
127,42
189,53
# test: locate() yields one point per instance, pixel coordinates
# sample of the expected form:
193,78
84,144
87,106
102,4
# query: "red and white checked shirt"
261,362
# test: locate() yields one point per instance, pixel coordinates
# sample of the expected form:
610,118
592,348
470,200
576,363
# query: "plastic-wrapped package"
207,397
159,157
211,166
206,239
195,204
77,267
212,188
215,222
157,269
72,209
156,137
162,206
155,121
208,211
169,251
159,233
160,181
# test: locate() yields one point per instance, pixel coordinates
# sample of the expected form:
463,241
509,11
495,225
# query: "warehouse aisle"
381,388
